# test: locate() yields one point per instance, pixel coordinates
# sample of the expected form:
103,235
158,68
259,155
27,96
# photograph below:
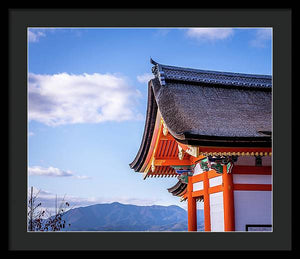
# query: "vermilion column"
206,202
228,201
192,207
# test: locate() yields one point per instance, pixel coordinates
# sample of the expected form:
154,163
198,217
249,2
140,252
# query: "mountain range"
125,217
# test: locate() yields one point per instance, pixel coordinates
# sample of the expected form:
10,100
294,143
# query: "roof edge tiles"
178,188
226,79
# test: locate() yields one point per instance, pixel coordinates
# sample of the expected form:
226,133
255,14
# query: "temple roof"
208,108
200,106
178,189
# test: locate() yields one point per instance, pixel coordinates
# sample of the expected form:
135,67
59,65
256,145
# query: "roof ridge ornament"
153,62
158,72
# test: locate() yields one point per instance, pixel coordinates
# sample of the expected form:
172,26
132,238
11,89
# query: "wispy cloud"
34,35
144,78
262,37
161,32
209,34
53,172
85,98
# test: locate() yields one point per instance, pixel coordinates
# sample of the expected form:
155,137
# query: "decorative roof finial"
153,62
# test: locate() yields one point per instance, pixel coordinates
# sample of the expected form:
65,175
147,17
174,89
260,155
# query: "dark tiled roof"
238,110
178,188
172,73
208,108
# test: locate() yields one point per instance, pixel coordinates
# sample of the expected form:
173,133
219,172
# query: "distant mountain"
123,217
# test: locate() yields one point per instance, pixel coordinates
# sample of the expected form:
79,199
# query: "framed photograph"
129,129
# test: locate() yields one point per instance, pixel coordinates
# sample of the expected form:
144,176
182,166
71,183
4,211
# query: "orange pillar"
192,208
228,201
206,202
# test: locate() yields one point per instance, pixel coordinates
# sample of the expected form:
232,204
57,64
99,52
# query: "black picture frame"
281,22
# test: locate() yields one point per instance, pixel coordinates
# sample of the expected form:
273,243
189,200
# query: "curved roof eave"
151,113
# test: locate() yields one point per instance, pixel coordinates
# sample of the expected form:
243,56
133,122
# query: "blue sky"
87,100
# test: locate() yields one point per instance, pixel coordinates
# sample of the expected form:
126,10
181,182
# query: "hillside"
123,217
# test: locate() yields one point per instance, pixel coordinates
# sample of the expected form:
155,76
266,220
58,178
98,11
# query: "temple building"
213,132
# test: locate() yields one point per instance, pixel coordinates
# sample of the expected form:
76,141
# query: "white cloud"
209,33
262,37
53,172
34,35
144,78
86,98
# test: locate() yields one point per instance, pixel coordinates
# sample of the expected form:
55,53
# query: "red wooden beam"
252,187
197,178
197,193
170,162
242,169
